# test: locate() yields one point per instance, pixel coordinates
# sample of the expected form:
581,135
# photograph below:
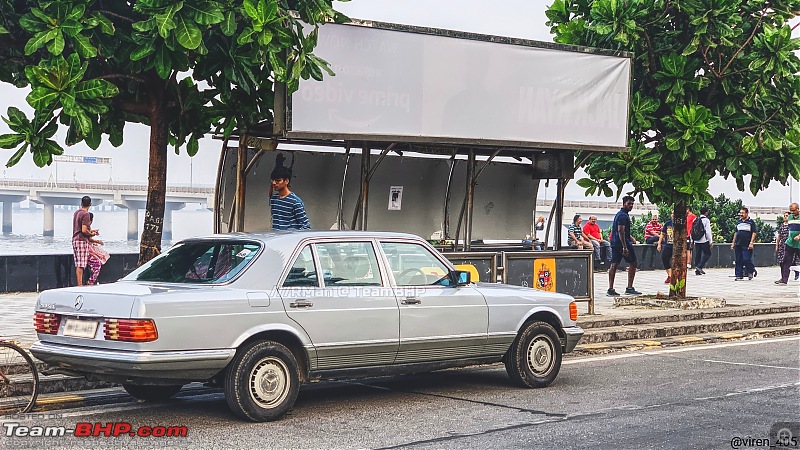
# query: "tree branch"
124,76
745,44
140,109
118,16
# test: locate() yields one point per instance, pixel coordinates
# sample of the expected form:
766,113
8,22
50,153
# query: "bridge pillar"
166,232
7,217
49,219
133,224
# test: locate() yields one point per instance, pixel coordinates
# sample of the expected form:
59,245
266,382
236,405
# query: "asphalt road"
687,397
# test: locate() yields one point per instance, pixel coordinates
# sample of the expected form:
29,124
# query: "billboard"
408,84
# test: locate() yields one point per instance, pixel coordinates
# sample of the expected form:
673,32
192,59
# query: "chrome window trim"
288,267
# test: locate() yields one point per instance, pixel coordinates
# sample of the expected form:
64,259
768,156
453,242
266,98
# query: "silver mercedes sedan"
259,314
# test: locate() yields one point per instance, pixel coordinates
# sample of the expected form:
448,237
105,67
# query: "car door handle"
411,301
302,303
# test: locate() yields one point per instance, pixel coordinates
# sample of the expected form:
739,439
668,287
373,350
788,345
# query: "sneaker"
612,293
755,273
738,279
750,276
698,272
780,282
702,272
632,291
667,280
796,276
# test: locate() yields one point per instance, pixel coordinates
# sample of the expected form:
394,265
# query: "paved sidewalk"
16,309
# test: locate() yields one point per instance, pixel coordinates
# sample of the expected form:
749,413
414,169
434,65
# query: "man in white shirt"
703,246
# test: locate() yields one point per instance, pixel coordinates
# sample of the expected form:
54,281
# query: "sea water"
27,225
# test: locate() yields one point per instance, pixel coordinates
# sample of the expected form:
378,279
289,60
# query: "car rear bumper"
574,334
113,364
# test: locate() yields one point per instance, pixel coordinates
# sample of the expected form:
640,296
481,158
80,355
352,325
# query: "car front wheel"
534,358
152,393
262,382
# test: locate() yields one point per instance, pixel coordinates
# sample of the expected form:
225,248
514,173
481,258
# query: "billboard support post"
365,154
470,199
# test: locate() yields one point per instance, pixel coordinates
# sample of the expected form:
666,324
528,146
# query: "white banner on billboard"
405,84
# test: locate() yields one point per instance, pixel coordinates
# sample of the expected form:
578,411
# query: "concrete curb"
640,344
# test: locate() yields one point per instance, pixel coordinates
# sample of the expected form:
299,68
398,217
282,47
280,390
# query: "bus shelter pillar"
470,199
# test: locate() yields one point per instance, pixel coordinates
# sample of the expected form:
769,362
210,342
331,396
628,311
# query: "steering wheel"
412,275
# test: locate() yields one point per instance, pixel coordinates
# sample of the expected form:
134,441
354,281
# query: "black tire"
262,382
152,392
19,380
534,358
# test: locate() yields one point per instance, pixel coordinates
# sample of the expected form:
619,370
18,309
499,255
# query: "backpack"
698,229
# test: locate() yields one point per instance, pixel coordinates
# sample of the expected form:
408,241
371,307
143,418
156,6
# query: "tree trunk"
150,244
677,287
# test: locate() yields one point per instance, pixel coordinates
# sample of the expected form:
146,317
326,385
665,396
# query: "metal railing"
110,186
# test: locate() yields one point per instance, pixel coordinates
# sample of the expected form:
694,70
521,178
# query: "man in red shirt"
652,231
591,231
689,221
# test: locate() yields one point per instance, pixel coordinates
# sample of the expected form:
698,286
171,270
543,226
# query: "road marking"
748,364
692,348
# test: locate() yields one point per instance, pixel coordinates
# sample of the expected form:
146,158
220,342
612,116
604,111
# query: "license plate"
80,328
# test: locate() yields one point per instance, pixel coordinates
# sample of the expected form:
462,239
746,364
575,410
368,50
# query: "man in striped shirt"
288,212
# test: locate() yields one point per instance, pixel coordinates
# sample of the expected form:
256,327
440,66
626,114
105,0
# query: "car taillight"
130,330
46,323
573,311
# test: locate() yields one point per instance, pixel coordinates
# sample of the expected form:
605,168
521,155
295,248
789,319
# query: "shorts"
616,254
80,249
666,256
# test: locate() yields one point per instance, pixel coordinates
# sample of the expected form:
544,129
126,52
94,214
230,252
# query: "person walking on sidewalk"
592,232
81,234
690,218
743,240
780,248
665,241
704,244
791,247
622,247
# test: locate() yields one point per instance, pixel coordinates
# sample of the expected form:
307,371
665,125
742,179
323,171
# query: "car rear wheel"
534,358
151,392
262,382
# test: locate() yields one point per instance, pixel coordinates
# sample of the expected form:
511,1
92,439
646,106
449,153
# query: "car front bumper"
574,334
115,364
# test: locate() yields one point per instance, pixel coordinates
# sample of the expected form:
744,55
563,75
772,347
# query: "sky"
514,18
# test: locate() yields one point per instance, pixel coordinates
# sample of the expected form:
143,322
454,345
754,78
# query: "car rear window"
198,262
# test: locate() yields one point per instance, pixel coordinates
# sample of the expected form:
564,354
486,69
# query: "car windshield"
198,262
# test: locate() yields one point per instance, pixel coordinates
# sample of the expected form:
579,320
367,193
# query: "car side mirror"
460,277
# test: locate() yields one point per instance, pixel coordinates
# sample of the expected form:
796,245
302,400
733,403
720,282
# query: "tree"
185,68
714,91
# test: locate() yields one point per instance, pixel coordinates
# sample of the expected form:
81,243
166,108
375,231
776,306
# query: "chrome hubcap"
540,356
269,382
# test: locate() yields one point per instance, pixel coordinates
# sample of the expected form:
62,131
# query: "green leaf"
163,62
187,33
228,26
11,140
56,46
39,40
71,27
32,23
16,157
192,146
3,30
95,89
106,26
142,52
41,97
84,47
41,156
205,13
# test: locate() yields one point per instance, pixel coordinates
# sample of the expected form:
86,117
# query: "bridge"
132,197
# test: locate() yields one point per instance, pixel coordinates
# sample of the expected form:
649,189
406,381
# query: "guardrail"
121,187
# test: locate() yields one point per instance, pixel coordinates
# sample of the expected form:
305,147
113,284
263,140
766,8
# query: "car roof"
293,237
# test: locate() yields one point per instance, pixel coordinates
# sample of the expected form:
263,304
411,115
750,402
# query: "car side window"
348,264
303,272
414,265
